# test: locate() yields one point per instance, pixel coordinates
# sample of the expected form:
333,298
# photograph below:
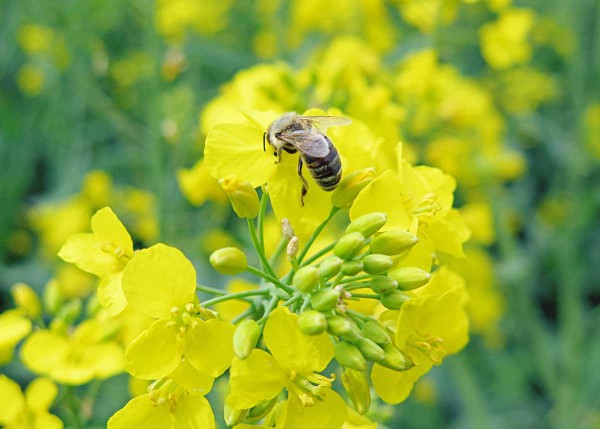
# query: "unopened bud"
370,349
312,322
330,267
393,300
229,260
375,332
245,337
232,416
261,410
348,355
395,359
357,386
70,311
341,326
52,296
26,299
242,195
367,224
325,299
410,278
383,284
351,268
350,186
349,245
292,248
286,229
393,242
375,264
306,279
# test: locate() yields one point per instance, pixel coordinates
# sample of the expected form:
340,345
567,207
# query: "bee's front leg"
304,182
278,155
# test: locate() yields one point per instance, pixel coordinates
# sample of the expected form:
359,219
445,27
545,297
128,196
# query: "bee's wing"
307,142
323,122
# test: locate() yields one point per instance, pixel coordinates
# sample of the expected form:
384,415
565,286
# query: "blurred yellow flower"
14,326
35,38
30,79
198,186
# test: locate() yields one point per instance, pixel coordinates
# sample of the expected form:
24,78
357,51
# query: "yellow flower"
160,282
29,411
96,187
35,38
294,364
504,43
30,79
228,310
26,300
105,253
357,421
430,326
198,186
479,219
13,328
77,358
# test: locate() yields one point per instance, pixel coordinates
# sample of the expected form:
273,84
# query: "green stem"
358,315
316,233
242,315
320,253
211,290
278,252
237,295
264,199
259,250
71,402
354,286
355,279
365,295
271,279
272,304
292,300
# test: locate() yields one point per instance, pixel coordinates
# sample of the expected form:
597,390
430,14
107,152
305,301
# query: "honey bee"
305,134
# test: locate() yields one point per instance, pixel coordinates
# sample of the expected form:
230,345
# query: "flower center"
309,388
165,392
431,347
120,254
188,316
428,206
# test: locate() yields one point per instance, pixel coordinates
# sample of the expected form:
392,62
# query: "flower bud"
376,333
306,279
312,322
261,410
286,229
351,268
292,248
26,299
410,278
370,349
245,338
367,224
395,359
349,355
393,242
383,284
325,299
70,311
242,195
350,186
232,416
349,245
375,264
229,260
330,267
52,296
393,300
341,326
357,387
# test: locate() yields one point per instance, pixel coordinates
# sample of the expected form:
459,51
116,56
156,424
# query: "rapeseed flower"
29,410
14,326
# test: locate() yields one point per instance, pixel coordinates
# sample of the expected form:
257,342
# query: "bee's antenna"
264,141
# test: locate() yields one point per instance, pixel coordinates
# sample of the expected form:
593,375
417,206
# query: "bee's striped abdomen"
326,171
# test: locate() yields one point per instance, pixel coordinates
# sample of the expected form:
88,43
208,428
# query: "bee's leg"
304,182
278,155
264,142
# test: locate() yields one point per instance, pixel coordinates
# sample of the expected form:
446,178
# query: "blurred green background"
119,87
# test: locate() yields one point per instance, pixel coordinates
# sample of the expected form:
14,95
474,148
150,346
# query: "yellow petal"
254,380
155,352
47,421
383,195
12,400
209,346
44,350
13,328
285,188
108,359
89,254
193,412
40,394
394,386
327,414
291,348
158,279
420,255
110,293
107,227
449,234
237,149
140,413
194,382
